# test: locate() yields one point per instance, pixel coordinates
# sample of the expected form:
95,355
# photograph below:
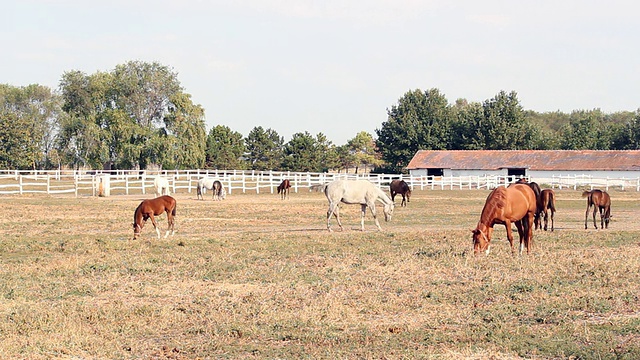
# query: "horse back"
351,191
520,200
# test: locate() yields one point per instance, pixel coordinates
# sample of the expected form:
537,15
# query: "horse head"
136,230
481,239
388,211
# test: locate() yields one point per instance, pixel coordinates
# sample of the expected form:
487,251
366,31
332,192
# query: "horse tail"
173,211
552,201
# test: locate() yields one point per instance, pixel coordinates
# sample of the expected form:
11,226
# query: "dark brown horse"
402,188
548,200
283,189
150,208
601,201
536,190
516,203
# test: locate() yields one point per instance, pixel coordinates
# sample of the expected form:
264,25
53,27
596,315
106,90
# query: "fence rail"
122,182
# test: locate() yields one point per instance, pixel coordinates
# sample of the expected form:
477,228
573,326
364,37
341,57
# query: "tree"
133,116
28,115
628,135
264,149
300,153
363,148
587,130
225,149
420,121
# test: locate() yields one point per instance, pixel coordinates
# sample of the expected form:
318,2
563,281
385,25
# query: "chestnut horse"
402,188
154,207
600,201
548,201
536,190
361,192
516,203
283,189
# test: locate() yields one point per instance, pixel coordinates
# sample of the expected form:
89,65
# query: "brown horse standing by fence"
516,203
600,201
283,189
402,188
548,201
150,208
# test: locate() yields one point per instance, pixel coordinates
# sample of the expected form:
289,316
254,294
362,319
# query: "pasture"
257,277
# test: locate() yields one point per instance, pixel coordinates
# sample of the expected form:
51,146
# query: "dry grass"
257,277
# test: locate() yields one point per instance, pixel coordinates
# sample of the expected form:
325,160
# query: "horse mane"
497,200
382,196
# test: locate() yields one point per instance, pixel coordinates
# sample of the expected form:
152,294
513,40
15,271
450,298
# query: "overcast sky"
336,66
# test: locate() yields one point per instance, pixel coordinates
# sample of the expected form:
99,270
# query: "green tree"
587,130
363,148
264,149
33,111
225,149
344,158
300,153
420,121
133,116
628,135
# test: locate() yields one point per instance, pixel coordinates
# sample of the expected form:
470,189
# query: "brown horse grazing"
548,200
402,188
154,207
536,189
516,203
283,189
600,201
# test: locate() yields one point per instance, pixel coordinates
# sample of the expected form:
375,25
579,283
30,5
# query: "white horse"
161,184
361,192
212,184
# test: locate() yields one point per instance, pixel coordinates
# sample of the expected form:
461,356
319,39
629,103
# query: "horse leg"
155,225
546,218
528,228
552,212
586,216
521,234
169,224
601,209
404,201
371,207
507,224
595,209
334,209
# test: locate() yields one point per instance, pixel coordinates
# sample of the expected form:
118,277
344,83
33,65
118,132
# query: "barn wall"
538,176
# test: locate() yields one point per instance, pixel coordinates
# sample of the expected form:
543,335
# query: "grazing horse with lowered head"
283,189
218,192
400,187
161,184
536,190
548,201
600,200
516,203
150,208
361,192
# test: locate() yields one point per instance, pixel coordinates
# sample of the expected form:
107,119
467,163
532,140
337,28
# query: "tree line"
138,115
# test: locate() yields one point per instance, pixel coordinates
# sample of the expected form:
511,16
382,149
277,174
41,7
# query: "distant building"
539,165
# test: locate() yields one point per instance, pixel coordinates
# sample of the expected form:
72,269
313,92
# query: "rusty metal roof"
546,160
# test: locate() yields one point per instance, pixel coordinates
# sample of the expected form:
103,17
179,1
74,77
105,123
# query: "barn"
539,165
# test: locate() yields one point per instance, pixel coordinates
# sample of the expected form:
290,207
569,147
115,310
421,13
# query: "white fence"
92,183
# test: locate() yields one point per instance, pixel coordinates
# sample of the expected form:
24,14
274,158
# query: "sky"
336,66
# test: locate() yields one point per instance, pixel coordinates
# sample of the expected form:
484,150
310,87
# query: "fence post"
48,184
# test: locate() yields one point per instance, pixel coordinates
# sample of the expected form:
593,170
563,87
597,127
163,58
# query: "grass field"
257,277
